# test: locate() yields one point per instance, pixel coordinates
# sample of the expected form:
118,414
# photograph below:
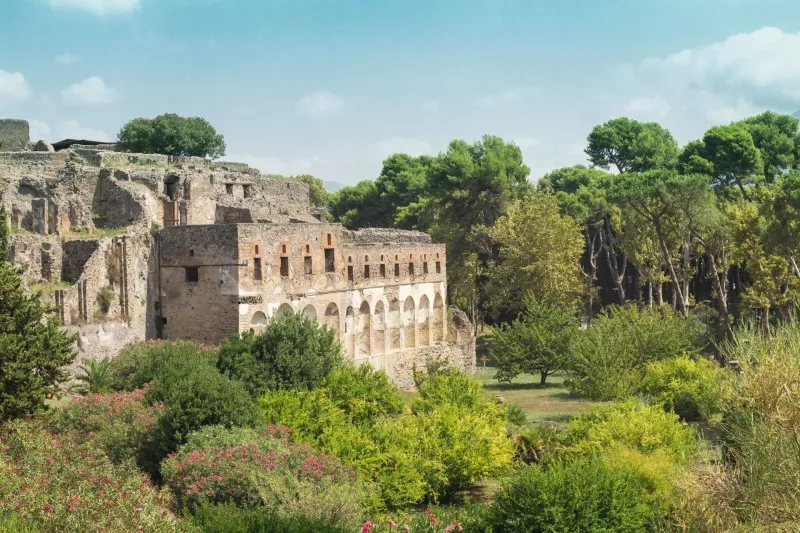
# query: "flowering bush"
139,362
264,469
121,424
60,484
465,517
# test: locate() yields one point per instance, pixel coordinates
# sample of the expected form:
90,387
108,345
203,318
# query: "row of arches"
373,330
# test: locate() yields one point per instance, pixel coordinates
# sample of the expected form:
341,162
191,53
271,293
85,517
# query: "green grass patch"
51,287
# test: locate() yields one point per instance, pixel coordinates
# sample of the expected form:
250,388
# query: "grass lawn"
551,402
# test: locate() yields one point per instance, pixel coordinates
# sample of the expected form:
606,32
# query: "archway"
284,308
409,323
379,329
364,330
332,317
309,312
259,321
438,318
349,330
423,317
395,329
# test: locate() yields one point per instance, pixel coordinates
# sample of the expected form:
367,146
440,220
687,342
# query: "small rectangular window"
307,266
438,267
383,271
330,263
191,253
283,248
192,275
228,188
397,270
284,267
308,248
349,272
257,268
329,239
366,271
425,267
411,269
256,249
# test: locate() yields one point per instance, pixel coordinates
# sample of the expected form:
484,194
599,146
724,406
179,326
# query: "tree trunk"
615,266
543,378
650,293
676,283
660,294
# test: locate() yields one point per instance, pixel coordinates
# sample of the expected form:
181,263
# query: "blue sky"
332,87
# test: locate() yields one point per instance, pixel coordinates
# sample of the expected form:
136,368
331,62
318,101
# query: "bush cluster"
56,483
451,437
137,364
262,468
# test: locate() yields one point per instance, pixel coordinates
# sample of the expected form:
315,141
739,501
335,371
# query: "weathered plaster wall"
14,135
40,258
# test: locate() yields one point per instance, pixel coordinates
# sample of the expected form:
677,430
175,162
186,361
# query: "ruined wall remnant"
14,135
75,256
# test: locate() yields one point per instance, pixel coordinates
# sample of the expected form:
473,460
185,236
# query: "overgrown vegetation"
171,134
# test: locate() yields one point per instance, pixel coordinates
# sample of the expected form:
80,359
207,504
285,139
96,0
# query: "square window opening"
284,267
397,270
191,253
438,267
307,266
411,269
425,267
330,262
349,272
257,268
192,275
383,271
228,188
366,271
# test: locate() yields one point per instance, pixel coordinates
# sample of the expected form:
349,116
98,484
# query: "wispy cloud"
13,88
320,105
404,145
98,7
90,92
67,59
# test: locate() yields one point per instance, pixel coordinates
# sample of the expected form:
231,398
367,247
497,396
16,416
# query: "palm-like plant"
94,376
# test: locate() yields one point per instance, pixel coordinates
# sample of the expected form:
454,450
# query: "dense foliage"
137,364
34,348
172,134
293,352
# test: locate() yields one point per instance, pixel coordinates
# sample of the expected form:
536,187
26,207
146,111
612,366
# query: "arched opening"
259,320
438,318
423,317
284,308
309,312
332,317
409,323
395,329
349,330
364,330
379,329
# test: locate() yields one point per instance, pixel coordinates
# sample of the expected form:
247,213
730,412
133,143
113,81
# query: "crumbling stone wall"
40,258
14,135
76,254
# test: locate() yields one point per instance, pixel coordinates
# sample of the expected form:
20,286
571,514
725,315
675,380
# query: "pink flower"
71,509
406,528
392,524
50,460
367,527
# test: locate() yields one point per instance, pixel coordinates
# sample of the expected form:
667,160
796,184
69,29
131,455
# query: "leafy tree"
777,139
32,344
358,206
171,134
729,155
292,353
631,146
538,342
539,252
402,188
471,187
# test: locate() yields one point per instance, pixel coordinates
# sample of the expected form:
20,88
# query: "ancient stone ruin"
140,246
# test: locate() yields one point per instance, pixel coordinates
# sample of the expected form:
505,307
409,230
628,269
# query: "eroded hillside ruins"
134,246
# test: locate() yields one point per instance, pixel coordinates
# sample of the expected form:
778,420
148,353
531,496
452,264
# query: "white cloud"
274,165
71,129
320,105
526,143
67,59
89,92
39,129
403,145
502,98
648,107
13,88
98,7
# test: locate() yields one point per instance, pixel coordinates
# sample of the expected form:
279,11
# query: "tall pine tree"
33,346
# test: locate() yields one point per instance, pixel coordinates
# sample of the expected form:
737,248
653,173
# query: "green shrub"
453,437
292,353
197,397
610,355
121,424
231,519
635,425
95,376
138,363
583,494
60,484
694,389
515,415
266,470
363,393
